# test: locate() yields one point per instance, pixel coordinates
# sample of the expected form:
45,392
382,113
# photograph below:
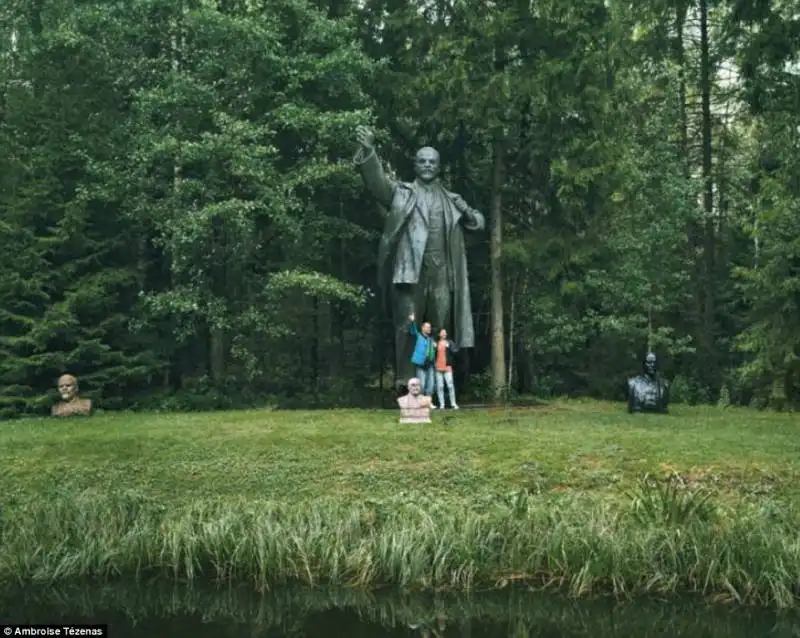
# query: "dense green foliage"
182,226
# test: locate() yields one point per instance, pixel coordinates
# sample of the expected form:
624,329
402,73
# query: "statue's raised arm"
375,179
422,257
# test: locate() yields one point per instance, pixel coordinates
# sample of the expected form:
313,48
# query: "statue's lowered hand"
461,205
365,137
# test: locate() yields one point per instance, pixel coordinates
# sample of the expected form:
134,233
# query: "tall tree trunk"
756,245
337,318
498,365
694,229
217,354
511,323
218,339
176,44
315,328
680,60
709,234
35,10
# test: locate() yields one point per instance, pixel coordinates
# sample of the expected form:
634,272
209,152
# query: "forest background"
182,226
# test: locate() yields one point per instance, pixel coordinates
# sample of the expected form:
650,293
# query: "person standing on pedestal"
422,260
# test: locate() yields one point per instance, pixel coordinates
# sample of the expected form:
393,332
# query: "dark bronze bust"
648,392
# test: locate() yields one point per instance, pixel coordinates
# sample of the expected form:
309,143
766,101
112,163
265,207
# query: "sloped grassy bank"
659,540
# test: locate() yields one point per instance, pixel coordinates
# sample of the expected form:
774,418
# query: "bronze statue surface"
71,404
422,260
648,392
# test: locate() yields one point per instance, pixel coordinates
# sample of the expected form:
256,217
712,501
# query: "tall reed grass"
660,541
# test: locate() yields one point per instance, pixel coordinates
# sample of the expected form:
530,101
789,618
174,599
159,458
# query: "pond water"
162,611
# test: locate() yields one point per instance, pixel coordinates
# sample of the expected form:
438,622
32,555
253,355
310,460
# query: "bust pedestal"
76,407
647,394
415,409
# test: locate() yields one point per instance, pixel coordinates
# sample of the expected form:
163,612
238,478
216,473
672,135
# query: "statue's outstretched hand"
365,137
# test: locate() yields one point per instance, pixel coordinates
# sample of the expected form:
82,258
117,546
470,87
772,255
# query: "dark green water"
158,611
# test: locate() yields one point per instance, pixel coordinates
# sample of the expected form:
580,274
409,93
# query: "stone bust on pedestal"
71,404
415,407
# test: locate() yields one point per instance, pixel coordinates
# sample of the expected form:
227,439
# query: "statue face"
67,387
414,387
426,164
650,364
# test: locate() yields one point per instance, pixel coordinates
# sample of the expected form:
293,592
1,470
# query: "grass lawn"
589,447
551,496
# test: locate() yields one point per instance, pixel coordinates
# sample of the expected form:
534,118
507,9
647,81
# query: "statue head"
426,164
650,364
67,387
414,387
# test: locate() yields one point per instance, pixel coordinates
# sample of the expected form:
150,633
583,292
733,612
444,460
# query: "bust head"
67,387
426,164
414,387
650,365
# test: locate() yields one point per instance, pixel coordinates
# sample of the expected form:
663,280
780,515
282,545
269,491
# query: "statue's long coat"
405,235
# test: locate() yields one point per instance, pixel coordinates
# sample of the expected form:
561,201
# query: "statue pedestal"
76,407
647,395
415,409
